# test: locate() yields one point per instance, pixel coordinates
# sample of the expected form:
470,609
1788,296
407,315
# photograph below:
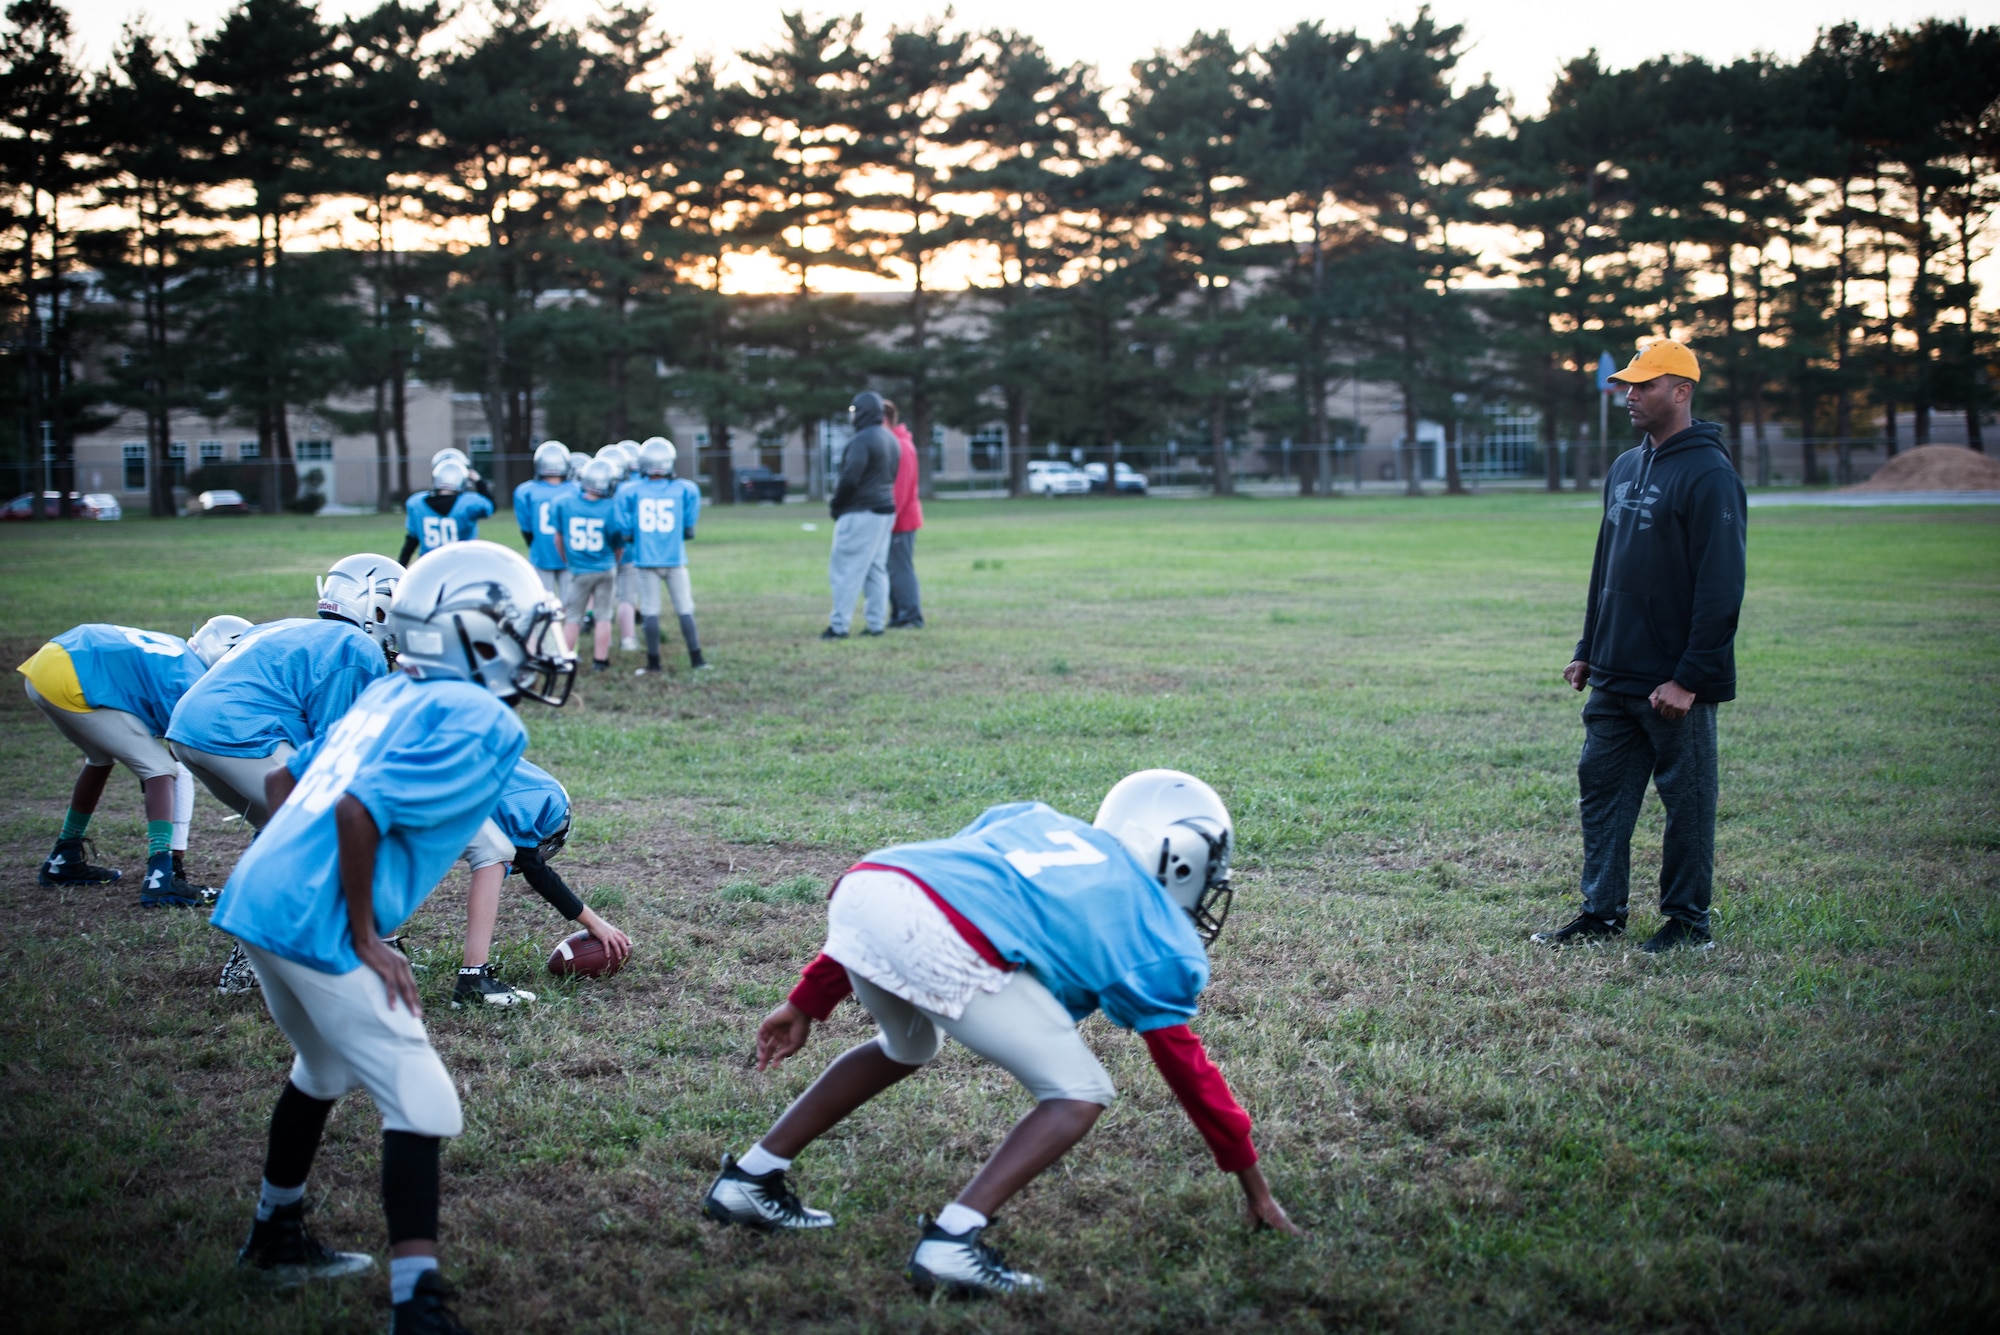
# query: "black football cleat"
282,1252
67,866
1583,930
767,1203
161,889
429,1310
963,1266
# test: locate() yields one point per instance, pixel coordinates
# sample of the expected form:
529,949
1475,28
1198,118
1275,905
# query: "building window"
211,452
988,449
177,461
313,451
135,465
248,449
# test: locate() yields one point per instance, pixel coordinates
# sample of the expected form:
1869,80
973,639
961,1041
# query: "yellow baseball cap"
1661,357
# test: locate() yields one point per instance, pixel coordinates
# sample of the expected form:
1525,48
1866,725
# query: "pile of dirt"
1935,468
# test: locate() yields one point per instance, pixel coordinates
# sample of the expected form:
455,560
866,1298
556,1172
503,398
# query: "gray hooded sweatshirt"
868,463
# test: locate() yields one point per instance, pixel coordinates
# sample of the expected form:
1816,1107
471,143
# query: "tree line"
1208,254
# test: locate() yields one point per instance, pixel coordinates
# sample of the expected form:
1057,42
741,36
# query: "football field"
1797,1131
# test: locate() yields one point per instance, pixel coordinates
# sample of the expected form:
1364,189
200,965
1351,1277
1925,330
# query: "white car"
1052,477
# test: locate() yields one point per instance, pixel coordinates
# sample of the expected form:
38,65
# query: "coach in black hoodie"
1658,653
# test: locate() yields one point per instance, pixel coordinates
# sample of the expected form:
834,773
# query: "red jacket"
909,510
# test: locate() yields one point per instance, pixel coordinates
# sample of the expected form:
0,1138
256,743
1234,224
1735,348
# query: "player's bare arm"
358,841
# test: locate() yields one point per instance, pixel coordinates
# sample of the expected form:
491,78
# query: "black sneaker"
429,1310
482,987
1582,930
963,1266
160,889
767,1203
831,634
67,865
283,1252
1678,935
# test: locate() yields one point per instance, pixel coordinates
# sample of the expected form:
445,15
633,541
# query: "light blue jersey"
1067,901
433,530
589,531
532,807
534,510
427,759
660,514
288,681
143,672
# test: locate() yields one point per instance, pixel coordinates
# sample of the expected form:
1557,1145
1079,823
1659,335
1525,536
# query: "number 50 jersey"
1067,901
428,760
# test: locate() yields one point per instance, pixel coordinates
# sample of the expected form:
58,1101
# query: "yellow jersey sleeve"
54,677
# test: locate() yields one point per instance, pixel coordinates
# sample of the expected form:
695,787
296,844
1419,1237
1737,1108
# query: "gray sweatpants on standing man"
860,564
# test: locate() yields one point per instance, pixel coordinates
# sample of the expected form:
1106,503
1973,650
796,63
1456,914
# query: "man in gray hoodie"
1658,654
864,512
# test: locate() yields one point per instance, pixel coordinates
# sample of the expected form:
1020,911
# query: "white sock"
270,1198
404,1272
759,1161
960,1219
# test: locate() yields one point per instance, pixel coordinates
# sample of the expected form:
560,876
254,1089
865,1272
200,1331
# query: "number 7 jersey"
428,760
1066,901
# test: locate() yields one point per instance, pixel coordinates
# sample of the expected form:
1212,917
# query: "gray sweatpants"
906,603
1626,743
860,564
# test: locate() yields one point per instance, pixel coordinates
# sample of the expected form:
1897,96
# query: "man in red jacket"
906,610
1003,937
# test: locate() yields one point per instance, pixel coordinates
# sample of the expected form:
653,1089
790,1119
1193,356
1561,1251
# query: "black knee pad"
410,1186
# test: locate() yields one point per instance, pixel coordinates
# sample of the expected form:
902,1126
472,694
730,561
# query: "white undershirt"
881,925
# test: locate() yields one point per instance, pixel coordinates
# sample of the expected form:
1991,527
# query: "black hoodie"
1667,582
868,464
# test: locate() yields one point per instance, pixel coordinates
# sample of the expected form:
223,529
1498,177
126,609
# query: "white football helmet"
359,589
449,475
600,476
1176,827
551,459
217,636
476,611
657,457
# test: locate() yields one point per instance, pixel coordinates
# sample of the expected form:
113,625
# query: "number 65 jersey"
428,760
1066,901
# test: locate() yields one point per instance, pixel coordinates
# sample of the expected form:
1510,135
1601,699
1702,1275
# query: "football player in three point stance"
534,510
286,683
659,511
527,828
588,536
1004,936
111,691
449,512
365,819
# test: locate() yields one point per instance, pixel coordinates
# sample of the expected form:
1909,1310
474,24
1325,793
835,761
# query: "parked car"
1053,477
1129,479
759,484
96,505
219,502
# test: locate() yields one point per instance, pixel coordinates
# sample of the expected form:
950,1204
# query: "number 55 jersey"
428,760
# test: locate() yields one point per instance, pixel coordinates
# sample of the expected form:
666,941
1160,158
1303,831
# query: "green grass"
1796,1132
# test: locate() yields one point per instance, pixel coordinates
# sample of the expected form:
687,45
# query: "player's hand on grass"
1672,700
783,1032
1263,1207
1577,674
615,942
395,971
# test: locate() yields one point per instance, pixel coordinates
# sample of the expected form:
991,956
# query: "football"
583,954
